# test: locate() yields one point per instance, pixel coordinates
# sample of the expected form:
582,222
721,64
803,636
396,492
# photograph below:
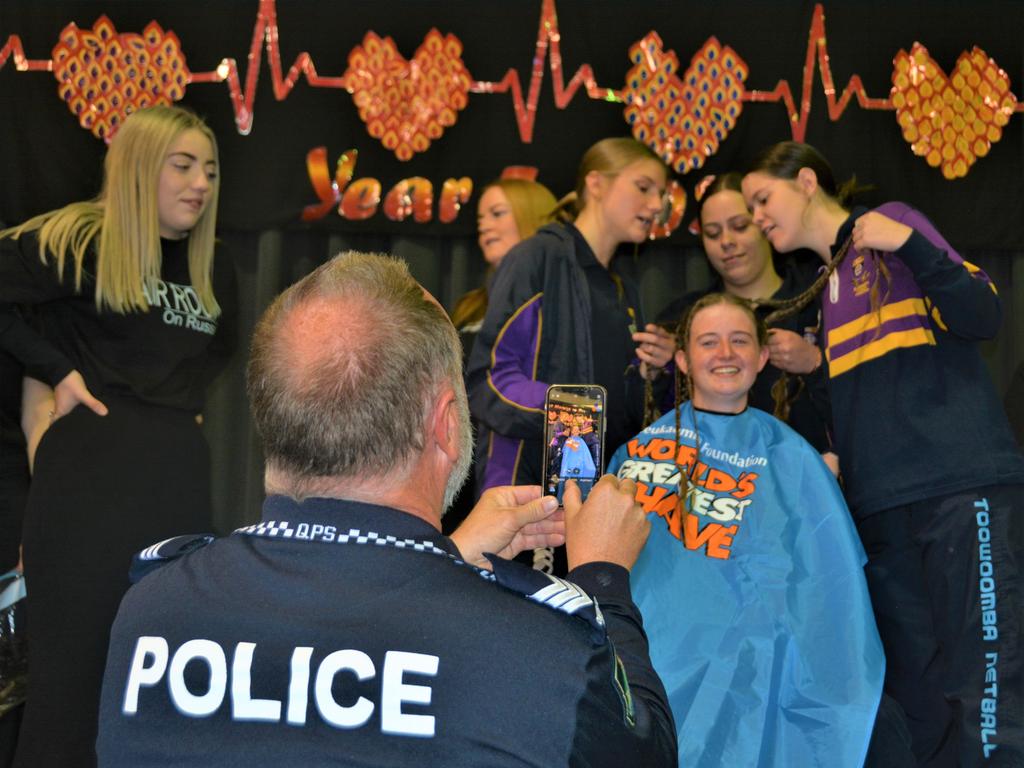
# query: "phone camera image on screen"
573,437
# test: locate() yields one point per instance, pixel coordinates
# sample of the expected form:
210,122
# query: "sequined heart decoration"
104,76
951,121
685,120
408,104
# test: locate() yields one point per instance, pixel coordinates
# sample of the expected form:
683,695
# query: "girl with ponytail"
562,311
929,463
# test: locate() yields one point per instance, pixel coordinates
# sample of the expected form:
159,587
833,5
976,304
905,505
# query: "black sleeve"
821,406
26,280
624,719
963,294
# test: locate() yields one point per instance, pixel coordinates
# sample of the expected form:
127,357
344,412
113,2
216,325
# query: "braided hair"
684,385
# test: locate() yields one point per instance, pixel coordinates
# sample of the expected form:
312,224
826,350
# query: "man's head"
345,374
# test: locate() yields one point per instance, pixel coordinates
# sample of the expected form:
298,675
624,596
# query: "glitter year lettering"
360,199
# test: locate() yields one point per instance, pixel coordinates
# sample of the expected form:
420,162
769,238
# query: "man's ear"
445,424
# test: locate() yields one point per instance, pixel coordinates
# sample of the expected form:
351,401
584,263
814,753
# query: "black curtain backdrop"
49,160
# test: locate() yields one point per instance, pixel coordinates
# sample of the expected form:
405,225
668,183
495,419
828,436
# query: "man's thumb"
538,509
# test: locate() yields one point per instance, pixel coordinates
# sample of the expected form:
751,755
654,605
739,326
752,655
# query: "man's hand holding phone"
609,527
508,519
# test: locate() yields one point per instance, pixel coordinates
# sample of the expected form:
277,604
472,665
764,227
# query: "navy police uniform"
342,633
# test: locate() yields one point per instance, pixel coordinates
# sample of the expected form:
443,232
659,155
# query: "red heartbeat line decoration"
13,48
922,94
547,34
798,120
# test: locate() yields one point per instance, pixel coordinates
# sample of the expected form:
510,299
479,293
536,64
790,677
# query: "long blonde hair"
532,206
532,203
124,220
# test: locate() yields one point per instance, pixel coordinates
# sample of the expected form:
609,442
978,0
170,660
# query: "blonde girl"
562,311
131,317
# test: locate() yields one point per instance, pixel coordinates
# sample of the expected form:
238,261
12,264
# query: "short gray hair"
343,368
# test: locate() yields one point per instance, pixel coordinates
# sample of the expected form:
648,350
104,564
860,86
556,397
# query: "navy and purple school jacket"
915,412
537,332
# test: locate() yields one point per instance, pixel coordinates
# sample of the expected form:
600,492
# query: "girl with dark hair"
792,385
933,476
563,311
134,320
750,583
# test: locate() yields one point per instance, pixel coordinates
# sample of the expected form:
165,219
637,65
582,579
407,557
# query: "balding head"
345,367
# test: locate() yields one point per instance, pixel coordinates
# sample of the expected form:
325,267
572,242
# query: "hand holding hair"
789,351
876,231
656,346
508,519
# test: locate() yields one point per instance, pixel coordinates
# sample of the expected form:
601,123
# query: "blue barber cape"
576,459
755,602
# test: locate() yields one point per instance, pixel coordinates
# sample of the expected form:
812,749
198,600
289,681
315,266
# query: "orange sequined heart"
951,121
408,104
684,121
104,76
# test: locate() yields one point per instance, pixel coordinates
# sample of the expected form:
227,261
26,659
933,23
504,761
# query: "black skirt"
104,488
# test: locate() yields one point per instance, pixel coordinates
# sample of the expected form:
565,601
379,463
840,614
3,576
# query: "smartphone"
573,437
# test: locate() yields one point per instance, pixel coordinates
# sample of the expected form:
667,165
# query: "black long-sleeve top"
164,356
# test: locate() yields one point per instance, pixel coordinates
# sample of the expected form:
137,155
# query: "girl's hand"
791,352
655,347
876,232
72,392
832,462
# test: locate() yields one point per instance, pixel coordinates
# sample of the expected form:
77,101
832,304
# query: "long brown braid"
684,388
782,398
787,307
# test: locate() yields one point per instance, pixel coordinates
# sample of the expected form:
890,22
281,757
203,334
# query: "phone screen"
573,437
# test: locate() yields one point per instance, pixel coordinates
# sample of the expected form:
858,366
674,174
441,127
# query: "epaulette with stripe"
161,553
551,591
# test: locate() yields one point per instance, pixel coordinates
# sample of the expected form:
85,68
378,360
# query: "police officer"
344,629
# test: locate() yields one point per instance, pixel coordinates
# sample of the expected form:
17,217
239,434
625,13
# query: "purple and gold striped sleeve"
960,297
